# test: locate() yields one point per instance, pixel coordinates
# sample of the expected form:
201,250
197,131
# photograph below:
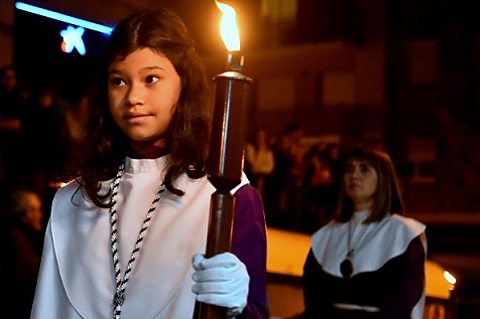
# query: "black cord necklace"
121,283
346,266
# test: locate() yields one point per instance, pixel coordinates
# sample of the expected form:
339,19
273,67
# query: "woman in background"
369,261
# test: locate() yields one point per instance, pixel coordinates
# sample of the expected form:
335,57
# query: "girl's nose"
135,95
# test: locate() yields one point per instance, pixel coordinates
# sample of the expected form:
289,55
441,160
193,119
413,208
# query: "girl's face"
143,91
360,181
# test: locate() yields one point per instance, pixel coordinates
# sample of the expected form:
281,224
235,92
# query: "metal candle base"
229,130
235,61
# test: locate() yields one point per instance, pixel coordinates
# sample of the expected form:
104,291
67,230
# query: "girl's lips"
134,115
134,118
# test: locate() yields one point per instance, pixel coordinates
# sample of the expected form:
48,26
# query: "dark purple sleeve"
413,283
249,244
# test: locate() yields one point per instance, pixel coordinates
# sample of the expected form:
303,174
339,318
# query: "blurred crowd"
41,139
40,133
298,182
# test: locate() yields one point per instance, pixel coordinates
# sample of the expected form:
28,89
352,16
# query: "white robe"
76,277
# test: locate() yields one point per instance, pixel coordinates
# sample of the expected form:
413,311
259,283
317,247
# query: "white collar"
392,236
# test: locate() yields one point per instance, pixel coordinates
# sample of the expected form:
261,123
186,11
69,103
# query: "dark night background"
400,74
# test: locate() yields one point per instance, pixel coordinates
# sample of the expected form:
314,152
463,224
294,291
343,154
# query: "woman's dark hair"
188,134
387,198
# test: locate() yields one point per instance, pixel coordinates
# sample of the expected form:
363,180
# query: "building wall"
6,32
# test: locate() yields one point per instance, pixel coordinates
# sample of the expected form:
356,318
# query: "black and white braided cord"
121,284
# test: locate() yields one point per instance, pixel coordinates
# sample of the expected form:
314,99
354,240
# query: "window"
279,10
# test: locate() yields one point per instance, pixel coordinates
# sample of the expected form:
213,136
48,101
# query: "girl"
369,261
123,237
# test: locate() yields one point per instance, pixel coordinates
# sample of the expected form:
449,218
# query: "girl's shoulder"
68,198
68,188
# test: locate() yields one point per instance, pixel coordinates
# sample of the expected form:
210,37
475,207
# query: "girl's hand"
221,280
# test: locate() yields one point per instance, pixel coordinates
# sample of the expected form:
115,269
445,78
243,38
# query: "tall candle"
226,148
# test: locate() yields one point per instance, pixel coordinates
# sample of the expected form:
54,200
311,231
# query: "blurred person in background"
22,216
41,132
12,109
317,180
288,177
260,161
333,155
369,261
73,134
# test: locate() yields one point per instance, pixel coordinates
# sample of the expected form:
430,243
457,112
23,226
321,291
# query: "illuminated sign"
72,37
63,17
62,50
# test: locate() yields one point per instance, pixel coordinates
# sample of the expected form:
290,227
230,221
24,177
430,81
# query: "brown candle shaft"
225,167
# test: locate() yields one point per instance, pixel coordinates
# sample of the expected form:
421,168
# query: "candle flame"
228,27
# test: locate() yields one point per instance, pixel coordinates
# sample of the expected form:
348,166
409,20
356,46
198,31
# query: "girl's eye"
117,81
151,79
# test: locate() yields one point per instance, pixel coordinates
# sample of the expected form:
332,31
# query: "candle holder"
225,161
235,61
229,129
226,148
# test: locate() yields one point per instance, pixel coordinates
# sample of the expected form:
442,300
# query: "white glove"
221,280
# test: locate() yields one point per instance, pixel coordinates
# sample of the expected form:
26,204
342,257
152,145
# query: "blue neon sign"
63,17
72,39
